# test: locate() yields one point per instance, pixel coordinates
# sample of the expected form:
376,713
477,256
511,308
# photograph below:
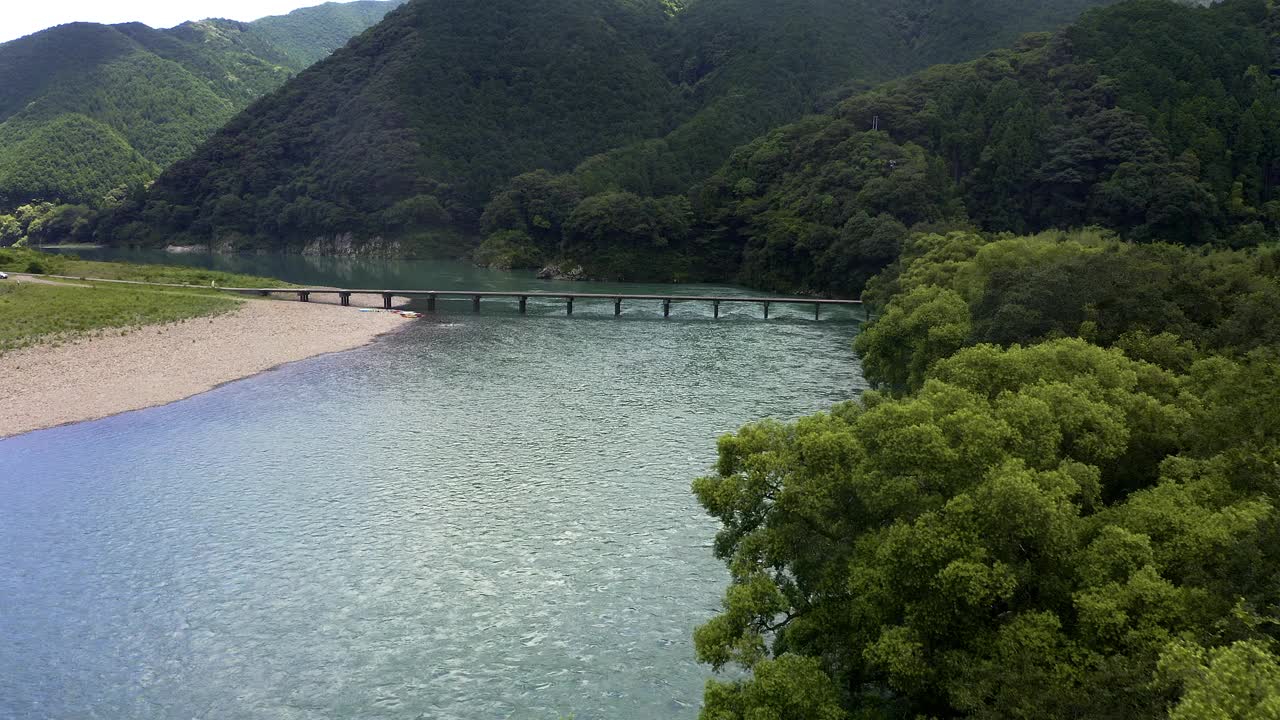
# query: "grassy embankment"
50,313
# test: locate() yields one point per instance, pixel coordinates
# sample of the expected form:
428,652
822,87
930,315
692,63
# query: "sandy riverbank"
95,377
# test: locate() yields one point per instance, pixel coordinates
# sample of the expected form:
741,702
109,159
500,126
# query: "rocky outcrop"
562,271
346,244
341,245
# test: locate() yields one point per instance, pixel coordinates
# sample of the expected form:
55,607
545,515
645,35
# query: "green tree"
1030,534
923,326
1019,290
1240,681
10,230
628,237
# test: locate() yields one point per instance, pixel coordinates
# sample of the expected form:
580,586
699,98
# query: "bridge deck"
546,294
344,294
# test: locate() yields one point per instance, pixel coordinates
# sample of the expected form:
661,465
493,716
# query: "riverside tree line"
1061,501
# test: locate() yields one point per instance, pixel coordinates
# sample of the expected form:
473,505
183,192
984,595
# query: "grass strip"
33,314
31,261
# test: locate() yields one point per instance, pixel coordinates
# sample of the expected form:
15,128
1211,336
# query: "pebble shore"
94,377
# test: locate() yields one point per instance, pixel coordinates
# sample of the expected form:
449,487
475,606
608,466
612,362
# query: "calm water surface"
481,517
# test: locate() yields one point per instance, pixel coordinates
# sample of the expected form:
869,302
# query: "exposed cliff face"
348,245
340,245
563,271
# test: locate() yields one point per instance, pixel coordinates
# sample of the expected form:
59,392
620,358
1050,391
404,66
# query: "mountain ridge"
471,95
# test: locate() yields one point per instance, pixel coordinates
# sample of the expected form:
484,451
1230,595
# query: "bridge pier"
431,303
817,308
264,293
524,304
617,307
666,308
304,297
716,306
569,306
345,299
766,311
386,301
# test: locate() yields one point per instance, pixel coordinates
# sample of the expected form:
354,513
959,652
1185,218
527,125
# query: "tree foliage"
1039,532
1161,302
47,223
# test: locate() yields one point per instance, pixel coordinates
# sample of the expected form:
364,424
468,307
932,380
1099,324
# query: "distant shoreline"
119,371
68,246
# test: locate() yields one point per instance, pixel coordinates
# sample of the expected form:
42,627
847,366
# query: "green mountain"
308,35
1156,119
88,108
404,135
748,66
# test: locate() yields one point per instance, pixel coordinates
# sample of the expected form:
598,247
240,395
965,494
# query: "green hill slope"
1156,119
1151,118
405,131
161,92
306,36
71,155
403,137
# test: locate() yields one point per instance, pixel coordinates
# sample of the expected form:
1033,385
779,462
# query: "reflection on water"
479,518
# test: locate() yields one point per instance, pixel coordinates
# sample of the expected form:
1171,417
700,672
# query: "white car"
4,276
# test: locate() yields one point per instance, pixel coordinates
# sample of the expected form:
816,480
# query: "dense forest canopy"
1060,503
401,133
749,66
86,109
1156,119
1153,118
444,103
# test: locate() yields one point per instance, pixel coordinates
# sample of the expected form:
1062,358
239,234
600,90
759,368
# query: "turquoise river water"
480,516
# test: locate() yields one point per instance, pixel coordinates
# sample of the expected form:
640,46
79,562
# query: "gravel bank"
95,377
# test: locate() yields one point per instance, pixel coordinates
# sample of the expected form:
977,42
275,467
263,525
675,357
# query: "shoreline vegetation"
79,351
1059,500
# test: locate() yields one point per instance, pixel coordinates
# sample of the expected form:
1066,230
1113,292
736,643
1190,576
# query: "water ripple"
489,519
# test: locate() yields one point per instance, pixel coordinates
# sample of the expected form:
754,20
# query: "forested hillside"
456,99
1156,119
748,66
86,109
308,35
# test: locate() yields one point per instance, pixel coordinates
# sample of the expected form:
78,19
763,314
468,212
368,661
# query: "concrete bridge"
523,297
304,294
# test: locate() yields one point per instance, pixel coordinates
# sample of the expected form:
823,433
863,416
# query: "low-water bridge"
523,296
344,296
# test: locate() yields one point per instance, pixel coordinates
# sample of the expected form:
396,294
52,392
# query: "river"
480,516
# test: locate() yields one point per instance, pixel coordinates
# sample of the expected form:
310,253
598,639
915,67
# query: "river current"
480,516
